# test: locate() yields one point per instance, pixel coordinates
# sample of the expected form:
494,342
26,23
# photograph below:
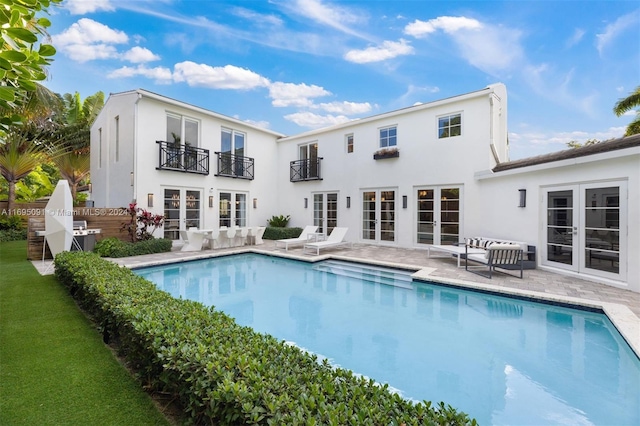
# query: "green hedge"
113,247
13,235
224,373
277,233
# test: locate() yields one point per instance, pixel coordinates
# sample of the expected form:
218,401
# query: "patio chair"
335,239
240,238
503,256
301,239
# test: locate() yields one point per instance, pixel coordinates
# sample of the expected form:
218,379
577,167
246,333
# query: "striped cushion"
504,253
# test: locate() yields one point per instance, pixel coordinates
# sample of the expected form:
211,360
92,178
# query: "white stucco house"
433,173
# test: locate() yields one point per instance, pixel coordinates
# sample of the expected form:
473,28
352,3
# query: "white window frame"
387,139
349,143
234,133
183,120
448,127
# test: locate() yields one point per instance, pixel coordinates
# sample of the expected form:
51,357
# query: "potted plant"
391,152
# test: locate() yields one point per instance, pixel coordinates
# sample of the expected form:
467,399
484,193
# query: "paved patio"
622,306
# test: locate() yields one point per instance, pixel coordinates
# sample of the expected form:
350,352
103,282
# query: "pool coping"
622,318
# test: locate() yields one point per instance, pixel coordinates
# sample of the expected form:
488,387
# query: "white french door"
438,215
232,209
182,210
325,211
379,215
586,228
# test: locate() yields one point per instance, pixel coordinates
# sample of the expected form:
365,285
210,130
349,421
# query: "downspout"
135,149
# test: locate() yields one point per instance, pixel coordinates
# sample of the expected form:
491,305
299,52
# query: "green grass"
54,368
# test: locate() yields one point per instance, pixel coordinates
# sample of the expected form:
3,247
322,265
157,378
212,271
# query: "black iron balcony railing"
303,170
182,158
235,166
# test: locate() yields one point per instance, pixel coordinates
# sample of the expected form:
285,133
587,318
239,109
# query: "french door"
379,215
586,227
325,211
438,215
232,209
182,210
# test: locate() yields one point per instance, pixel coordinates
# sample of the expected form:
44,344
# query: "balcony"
182,158
305,170
234,166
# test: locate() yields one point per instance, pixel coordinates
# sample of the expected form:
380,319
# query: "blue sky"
296,65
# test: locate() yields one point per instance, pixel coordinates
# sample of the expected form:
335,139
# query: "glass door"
308,153
378,215
182,210
232,209
325,212
585,229
438,215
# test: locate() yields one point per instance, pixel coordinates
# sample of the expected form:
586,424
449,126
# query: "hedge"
13,235
113,247
223,373
277,233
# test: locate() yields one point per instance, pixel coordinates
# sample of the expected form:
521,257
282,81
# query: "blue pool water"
503,361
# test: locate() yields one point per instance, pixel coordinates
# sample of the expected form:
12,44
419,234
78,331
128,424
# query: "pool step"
381,275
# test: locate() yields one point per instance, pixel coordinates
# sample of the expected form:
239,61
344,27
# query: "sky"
297,65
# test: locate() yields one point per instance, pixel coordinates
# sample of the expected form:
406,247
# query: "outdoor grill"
86,238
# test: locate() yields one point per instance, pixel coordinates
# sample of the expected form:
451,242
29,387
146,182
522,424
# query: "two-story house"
433,173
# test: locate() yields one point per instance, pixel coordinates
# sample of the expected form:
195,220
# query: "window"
182,130
388,137
232,142
449,126
349,144
309,158
100,148
117,138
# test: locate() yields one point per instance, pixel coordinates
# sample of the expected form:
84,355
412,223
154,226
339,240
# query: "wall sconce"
404,201
149,200
90,188
131,178
211,201
255,203
523,197
348,202
306,203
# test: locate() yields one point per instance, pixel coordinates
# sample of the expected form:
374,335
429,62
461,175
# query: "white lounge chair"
335,239
301,239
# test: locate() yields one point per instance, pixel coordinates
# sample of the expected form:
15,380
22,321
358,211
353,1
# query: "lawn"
54,367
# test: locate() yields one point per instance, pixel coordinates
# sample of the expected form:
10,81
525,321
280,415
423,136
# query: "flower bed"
224,373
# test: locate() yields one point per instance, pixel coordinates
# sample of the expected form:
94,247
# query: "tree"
627,104
576,144
18,157
22,61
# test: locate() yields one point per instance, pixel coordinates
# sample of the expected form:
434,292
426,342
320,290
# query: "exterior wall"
425,160
496,212
111,179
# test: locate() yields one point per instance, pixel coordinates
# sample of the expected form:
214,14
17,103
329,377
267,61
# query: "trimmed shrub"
274,233
224,373
11,222
13,235
113,247
279,221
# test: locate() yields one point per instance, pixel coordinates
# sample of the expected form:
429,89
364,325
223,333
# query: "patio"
536,281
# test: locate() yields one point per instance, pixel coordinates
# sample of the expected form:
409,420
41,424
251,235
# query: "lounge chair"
301,239
335,239
504,256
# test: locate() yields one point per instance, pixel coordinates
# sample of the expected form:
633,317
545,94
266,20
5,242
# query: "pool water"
503,361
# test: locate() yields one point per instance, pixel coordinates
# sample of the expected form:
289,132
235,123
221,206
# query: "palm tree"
627,104
18,157
74,166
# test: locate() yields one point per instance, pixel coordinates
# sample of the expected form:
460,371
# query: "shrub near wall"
114,247
224,373
277,233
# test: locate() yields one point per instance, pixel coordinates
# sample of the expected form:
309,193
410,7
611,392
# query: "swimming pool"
501,360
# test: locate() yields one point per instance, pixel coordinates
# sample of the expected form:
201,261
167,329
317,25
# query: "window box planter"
386,153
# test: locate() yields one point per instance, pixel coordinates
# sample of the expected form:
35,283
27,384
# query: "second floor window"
388,137
232,142
182,130
349,144
449,126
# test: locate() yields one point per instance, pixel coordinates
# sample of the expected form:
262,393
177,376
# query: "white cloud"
388,50
139,55
490,48
344,107
340,18
575,38
614,30
291,94
257,18
87,39
448,24
315,121
160,75
227,77
80,7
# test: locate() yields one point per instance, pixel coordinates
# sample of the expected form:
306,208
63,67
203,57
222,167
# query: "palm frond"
628,103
